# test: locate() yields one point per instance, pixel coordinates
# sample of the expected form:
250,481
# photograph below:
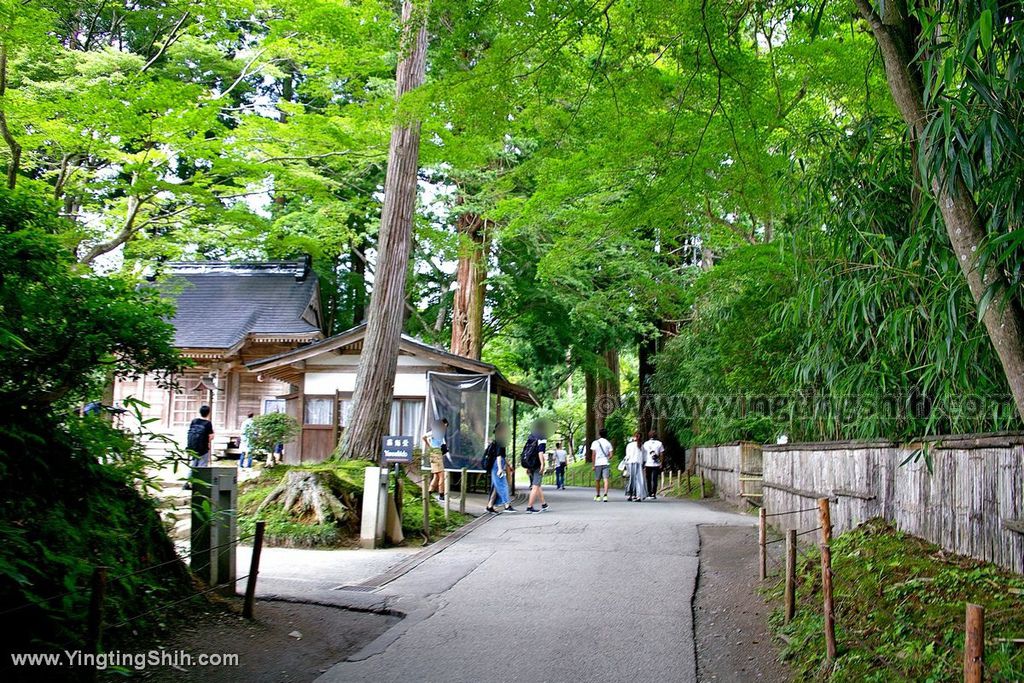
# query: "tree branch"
5,131
172,38
128,228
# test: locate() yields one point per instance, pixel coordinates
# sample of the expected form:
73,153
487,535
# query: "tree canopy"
631,162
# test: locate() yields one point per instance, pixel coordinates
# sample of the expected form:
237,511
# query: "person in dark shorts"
200,440
533,460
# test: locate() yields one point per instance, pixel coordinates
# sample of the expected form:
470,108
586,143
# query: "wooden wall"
971,503
721,464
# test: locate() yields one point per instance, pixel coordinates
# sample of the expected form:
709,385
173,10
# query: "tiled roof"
219,303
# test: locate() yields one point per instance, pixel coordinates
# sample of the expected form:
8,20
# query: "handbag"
624,468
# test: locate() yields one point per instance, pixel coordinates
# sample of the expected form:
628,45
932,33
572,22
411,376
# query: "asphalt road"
585,592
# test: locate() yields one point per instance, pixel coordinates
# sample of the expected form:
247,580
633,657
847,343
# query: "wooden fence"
971,503
734,469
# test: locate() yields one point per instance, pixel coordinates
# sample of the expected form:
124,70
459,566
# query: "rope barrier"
136,572
800,533
178,602
791,512
180,558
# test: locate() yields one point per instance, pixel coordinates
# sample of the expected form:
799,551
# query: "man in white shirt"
654,456
602,452
561,458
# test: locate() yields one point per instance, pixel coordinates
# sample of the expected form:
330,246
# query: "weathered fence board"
733,468
970,503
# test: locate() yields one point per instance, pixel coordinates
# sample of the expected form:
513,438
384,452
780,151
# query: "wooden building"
228,314
322,376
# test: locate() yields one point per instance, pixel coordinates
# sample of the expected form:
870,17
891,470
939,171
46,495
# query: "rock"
297,635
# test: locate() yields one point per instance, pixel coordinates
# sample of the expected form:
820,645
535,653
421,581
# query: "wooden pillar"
447,493
425,486
462,490
515,426
974,644
762,548
790,594
825,520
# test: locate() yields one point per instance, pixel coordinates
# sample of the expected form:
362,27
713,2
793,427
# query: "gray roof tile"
220,303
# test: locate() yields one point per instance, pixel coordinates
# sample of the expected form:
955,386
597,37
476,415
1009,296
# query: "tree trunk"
608,388
5,131
645,405
897,41
375,379
590,380
471,286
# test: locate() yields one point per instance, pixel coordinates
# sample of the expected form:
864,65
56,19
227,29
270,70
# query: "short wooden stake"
425,484
254,570
462,491
701,475
790,595
447,493
825,520
974,644
689,484
762,547
94,623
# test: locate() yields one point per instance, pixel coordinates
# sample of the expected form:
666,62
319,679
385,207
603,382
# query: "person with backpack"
533,460
199,441
496,465
602,451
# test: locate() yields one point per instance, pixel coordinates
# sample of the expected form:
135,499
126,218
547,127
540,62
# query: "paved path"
586,592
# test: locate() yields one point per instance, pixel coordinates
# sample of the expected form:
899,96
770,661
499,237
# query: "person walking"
636,489
245,457
199,441
496,463
561,460
654,454
435,445
601,450
533,460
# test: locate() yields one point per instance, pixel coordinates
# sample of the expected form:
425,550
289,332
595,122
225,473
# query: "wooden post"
254,570
974,644
462,491
399,492
825,520
762,548
425,484
94,624
688,483
701,475
447,493
790,595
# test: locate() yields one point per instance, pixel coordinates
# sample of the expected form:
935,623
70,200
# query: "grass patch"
900,604
579,473
689,487
345,479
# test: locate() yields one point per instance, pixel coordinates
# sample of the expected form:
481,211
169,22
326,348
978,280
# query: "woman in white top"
636,488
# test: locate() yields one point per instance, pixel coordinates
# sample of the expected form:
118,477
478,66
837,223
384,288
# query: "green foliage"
889,341
68,497
900,611
266,431
718,378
